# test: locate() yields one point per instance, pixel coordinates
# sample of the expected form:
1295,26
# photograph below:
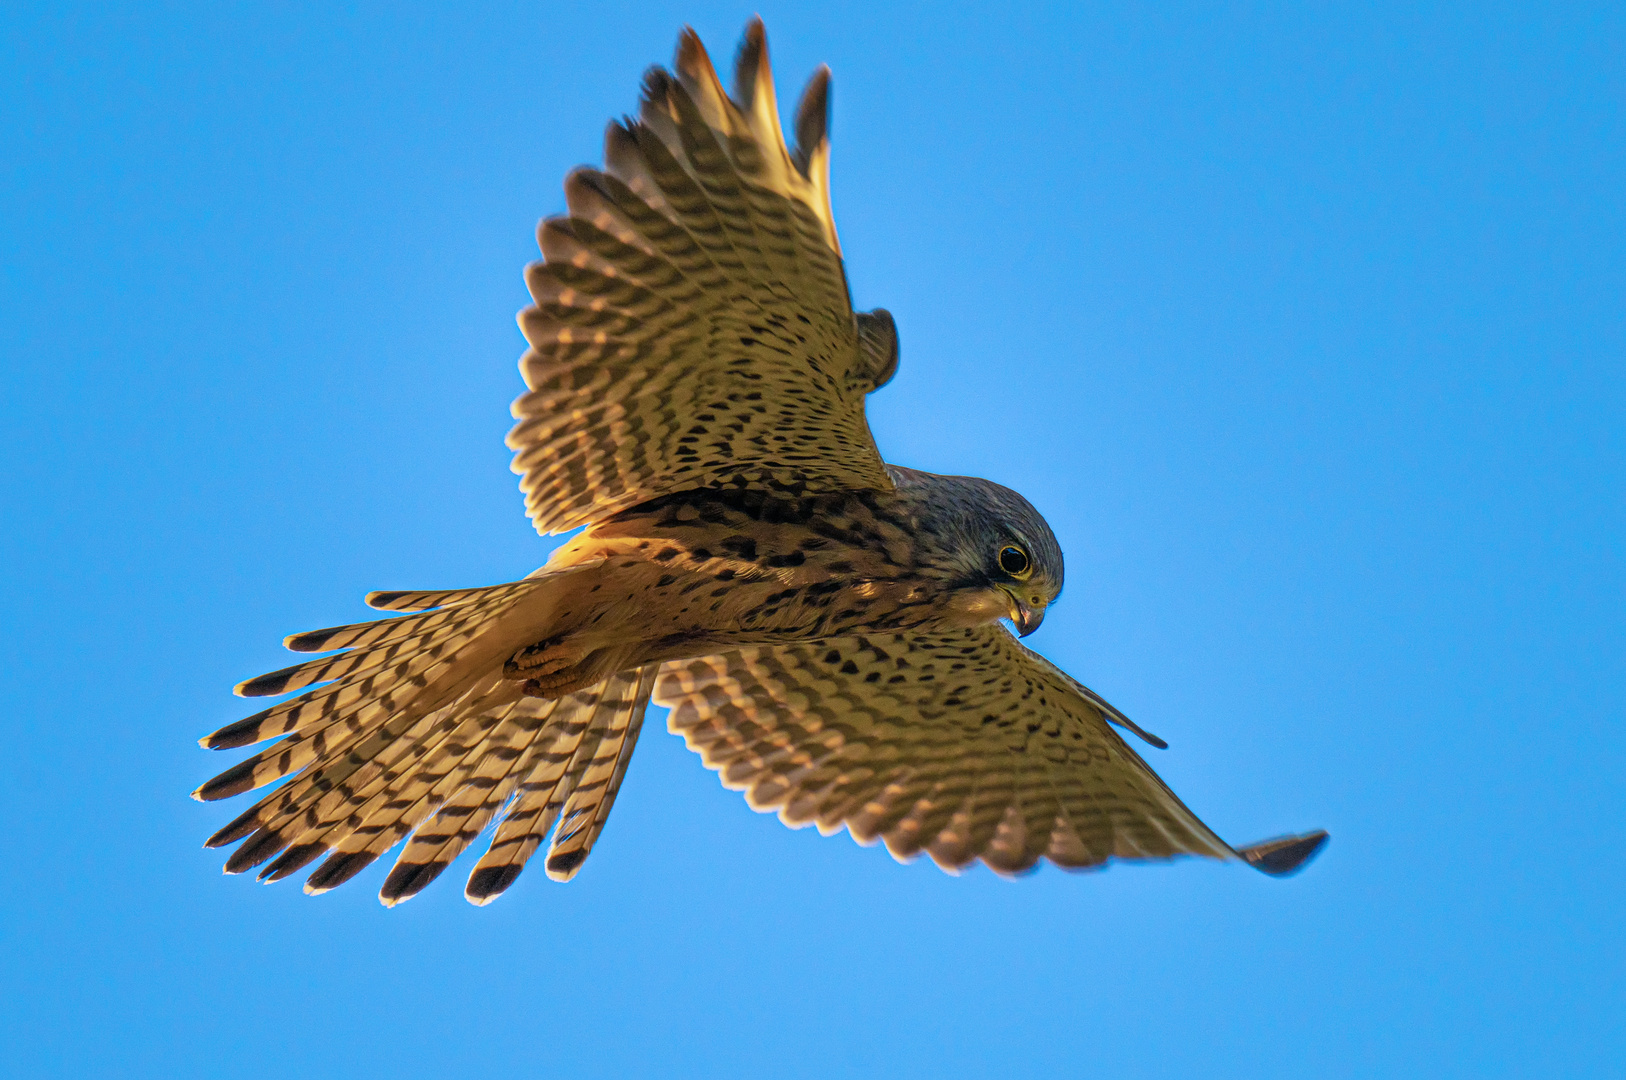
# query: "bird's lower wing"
963,745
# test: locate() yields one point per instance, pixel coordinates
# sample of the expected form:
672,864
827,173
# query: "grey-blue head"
990,538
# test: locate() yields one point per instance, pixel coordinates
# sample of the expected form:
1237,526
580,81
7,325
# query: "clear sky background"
1303,327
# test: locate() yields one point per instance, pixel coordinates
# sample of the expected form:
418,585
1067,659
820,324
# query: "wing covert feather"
964,745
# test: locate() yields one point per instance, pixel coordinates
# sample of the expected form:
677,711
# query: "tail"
415,732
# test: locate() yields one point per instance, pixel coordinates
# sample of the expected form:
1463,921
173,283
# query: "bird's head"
1003,559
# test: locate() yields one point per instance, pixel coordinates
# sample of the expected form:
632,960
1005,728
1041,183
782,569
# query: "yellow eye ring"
1015,562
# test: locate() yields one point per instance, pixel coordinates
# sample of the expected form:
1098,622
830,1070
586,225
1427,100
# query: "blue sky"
1303,325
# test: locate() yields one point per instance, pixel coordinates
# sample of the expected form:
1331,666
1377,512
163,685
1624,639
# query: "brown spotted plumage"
824,627
961,745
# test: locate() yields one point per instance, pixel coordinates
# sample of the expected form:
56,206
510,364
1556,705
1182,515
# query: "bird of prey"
825,628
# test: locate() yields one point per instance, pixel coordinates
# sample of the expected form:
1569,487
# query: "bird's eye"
1014,561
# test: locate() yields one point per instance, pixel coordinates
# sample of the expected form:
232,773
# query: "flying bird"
825,628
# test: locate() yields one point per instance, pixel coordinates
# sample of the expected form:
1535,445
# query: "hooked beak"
1026,619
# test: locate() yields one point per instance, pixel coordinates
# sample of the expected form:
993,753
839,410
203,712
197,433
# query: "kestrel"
824,627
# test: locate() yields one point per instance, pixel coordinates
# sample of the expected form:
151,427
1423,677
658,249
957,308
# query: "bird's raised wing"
692,326
964,745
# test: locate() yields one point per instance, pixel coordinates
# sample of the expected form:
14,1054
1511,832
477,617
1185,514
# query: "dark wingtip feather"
338,869
812,118
556,237
621,148
243,732
488,883
409,599
691,54
310,640
255,851
266,685
292,861
748,59
657,84
566,862
1115,717
234,781
1150,739
238,828
407,880
584,179
1286,854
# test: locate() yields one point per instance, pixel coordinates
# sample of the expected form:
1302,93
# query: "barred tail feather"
343,778
531,814
408,796
611,712
374,632
455,825
588,807
411,713
418,735
372,707
363,676
426,600
389,787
